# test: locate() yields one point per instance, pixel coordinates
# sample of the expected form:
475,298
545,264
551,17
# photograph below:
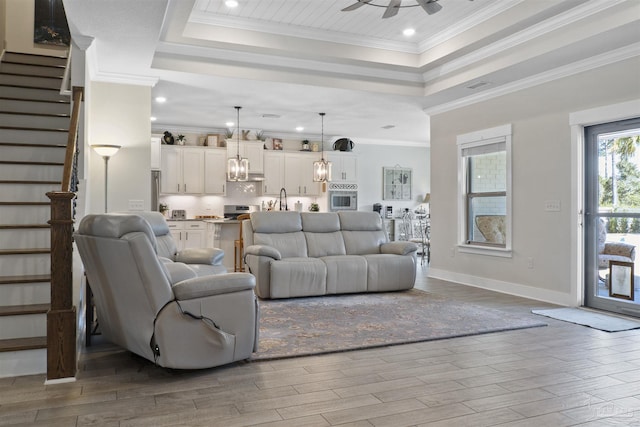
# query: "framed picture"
50,23
621,279
277,144
212,140
396,183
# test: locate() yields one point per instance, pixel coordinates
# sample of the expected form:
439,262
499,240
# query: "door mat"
592,319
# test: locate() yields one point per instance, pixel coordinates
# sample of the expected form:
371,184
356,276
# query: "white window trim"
474,139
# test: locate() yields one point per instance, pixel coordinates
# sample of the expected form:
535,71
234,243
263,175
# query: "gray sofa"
295,254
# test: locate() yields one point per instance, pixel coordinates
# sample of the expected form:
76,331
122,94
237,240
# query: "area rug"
333,323
592,319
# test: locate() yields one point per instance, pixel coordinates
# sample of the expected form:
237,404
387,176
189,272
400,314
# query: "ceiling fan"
392,8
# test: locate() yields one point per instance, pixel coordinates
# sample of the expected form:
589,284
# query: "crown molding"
129,79
470,22
521,37
598,61
280,62
239,23
83,42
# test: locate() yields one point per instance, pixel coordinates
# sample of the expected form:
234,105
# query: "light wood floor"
558,375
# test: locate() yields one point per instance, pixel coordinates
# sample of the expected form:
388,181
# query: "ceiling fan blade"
356,5
392,9
430,6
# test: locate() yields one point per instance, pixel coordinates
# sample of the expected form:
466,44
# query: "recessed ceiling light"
153,119
408,32
388,126
299,128
231,3
161,99
229,124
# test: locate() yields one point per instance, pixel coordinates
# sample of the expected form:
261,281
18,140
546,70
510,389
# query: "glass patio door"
612,216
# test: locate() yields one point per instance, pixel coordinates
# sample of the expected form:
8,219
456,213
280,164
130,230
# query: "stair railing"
61,317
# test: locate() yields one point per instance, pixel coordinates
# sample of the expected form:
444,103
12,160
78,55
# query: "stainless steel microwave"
343,201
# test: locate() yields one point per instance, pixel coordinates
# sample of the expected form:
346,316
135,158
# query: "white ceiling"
295,58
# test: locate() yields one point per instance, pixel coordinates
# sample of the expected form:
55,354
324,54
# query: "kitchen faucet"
282,190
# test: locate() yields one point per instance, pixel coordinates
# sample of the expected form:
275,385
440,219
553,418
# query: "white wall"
19,30
542,160
119,114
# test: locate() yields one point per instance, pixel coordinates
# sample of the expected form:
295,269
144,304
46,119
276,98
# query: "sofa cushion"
316,222
289,245
346,274
298,277
362,232
387,272
276,222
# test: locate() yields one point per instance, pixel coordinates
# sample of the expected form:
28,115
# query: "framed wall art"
396,183
621,279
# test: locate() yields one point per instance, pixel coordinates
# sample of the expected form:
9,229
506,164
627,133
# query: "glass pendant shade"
322,167
237,167
321,171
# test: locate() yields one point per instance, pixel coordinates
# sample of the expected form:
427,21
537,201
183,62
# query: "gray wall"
542,160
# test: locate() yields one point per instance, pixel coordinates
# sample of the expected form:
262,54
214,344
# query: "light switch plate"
552,205
136,205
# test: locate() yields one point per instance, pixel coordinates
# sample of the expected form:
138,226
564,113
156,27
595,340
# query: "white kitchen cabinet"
182,170
251,150
298,174
189,234
215,174
273,173
344,166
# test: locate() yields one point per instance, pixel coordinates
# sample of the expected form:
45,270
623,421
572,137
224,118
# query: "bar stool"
238,264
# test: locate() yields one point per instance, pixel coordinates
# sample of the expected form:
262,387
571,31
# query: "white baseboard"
524,291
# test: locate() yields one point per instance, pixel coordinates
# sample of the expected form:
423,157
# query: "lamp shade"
106,150
427,198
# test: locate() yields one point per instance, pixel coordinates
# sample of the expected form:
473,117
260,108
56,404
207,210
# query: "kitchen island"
222,233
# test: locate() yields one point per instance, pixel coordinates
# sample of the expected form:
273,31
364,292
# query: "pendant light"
322,168
237,167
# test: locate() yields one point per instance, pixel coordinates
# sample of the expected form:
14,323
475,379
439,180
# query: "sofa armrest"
398,248
207,256
262,250
620,249
213,285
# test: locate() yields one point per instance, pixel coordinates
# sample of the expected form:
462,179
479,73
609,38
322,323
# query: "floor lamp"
106,151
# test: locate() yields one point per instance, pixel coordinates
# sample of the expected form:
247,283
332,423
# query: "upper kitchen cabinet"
182,170
251,150
298,174
344,166
215,175
273,173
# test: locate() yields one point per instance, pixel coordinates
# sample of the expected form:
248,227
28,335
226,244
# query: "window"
485,191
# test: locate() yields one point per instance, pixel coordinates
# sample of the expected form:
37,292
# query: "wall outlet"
552,205
136,205
530,262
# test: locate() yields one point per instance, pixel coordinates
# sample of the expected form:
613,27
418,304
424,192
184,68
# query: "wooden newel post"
61,317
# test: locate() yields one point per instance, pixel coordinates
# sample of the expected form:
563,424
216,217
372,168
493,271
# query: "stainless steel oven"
343,201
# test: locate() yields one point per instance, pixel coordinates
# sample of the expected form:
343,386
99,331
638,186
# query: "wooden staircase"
34,126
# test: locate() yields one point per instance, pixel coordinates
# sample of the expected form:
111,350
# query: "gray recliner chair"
162,310
203,261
